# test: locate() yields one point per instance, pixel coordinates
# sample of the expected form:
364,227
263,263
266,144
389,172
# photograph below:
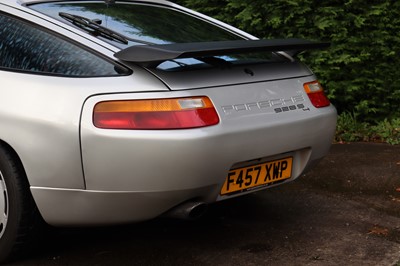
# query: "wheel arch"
16,159
25,222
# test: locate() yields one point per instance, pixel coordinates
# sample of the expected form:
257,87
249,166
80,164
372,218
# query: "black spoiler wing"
154,54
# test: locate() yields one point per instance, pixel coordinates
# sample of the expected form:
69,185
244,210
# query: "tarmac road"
346,211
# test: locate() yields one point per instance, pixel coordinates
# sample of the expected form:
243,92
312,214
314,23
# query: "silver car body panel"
144,170
83,175
44,122
215,77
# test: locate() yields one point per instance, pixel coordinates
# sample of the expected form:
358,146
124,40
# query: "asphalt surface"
346,211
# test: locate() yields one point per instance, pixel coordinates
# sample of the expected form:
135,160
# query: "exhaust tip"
188,211
198,211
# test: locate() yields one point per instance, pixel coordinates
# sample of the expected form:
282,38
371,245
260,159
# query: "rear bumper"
138,186
69,207
75,207
136,175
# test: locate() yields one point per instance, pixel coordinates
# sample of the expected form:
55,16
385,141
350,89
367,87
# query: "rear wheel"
18,213
3,205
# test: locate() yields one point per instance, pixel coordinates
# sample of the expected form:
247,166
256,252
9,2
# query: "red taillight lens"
176,113
316,94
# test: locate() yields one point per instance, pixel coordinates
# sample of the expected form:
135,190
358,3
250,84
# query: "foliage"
361,69
387,131
350,129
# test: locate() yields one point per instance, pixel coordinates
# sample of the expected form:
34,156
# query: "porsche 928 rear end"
211,113
122,111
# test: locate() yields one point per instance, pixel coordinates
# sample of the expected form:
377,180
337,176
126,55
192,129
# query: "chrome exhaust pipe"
188,211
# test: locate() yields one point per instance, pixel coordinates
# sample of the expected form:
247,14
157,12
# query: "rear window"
144,24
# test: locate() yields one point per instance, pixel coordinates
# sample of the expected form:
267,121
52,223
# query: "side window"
24,47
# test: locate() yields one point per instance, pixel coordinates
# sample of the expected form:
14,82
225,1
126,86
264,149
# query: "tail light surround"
316,94
157,114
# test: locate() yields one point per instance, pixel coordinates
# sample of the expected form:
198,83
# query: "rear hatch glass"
142,23
145,23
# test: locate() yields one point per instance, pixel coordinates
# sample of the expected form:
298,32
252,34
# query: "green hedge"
360,71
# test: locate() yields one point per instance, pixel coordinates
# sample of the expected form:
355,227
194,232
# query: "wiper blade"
93,27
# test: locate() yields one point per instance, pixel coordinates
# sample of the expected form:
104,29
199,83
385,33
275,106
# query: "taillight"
176,113
316,94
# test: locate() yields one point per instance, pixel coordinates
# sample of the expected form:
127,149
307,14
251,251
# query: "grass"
351,129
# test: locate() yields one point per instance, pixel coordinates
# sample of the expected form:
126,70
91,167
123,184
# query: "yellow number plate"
242,179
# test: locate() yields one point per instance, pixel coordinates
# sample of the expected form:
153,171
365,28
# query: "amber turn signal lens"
176,113
316,94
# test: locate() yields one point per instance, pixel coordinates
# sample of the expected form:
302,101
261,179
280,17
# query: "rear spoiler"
154,54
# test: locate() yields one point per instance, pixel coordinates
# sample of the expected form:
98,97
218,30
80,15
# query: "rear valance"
157,53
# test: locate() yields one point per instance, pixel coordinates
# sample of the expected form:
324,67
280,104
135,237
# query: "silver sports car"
122,111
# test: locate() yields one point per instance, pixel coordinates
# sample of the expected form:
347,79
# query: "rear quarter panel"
40,120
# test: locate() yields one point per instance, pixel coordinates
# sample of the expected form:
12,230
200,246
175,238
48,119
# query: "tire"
19,217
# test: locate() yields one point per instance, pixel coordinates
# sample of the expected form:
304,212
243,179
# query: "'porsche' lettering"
280,105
